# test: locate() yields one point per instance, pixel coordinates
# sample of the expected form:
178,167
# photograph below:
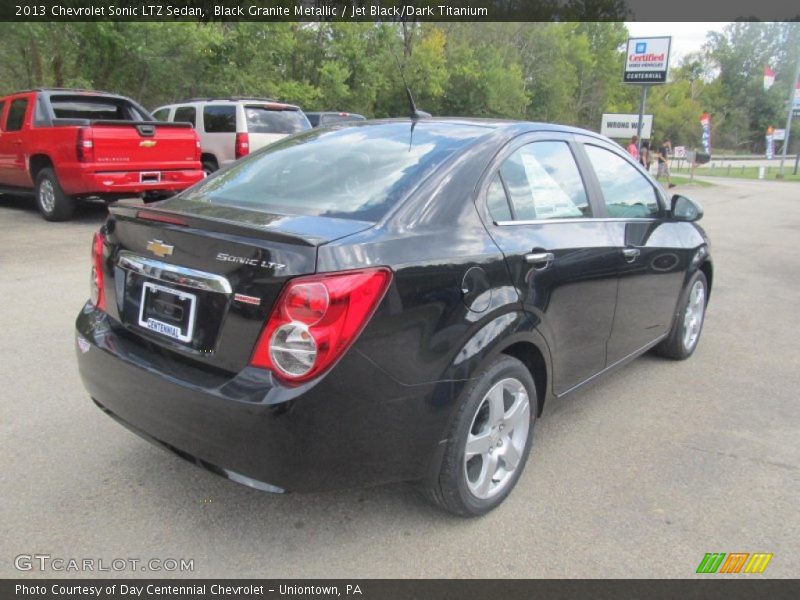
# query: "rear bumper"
355,426
86,182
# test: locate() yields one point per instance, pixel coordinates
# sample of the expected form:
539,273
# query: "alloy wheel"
47,195
497,438
693,315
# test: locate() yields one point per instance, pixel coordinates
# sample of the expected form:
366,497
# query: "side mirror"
685,209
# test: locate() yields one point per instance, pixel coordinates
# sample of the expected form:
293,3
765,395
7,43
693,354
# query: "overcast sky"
686,37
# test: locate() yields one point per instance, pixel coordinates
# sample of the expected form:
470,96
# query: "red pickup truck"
61,145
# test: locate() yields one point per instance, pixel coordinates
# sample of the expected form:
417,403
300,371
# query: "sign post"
646,63
794,103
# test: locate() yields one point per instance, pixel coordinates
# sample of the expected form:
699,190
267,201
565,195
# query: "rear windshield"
261,119
86,107
354,173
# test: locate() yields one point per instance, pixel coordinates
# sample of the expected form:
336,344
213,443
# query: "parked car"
231,128
320,119
392,301
61,145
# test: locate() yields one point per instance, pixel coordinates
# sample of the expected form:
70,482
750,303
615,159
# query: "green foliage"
568,72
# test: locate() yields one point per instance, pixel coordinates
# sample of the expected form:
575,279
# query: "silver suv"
230,128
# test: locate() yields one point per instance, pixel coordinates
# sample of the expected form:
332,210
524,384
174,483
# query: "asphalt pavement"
638,475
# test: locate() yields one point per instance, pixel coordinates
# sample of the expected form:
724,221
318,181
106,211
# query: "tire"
687,324
209,166
51,200
470,487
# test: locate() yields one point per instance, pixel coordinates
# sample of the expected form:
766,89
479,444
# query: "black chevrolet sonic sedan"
388,301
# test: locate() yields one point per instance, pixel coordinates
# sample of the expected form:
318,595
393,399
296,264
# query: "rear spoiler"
258,230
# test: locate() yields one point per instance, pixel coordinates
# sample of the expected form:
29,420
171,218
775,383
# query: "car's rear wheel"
687,325
489,442
51,200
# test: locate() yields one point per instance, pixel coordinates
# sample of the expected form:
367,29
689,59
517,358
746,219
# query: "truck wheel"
209,166
53,203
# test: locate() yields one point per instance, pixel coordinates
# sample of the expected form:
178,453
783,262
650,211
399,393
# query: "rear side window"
185,114
162,114
219,119
2,106
352,173
626,191
498,201
16,114
543,182
90,108
261,119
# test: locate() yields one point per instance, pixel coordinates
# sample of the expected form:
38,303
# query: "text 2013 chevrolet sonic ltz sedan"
395,300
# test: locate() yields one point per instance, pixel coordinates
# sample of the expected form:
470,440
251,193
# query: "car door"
541,215
650,257
13,170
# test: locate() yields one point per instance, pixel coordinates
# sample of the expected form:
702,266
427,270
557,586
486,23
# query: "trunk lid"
200,280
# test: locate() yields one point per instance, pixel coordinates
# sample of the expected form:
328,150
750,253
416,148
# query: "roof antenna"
415,114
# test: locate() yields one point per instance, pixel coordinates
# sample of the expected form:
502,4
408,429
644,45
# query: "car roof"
232,99
334,112
507,127
71,92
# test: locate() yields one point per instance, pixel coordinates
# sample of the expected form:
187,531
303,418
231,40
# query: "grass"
678,180
743,172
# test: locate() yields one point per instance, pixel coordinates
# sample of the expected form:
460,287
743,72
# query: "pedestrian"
633,147
644,156
663,161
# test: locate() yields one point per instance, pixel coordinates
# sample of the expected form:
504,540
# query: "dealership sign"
624,126
647,60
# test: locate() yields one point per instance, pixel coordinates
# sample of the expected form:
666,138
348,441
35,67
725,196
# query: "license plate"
167,311
152,177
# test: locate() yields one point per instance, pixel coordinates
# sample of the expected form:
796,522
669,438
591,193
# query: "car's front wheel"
489,441
687,325
51,200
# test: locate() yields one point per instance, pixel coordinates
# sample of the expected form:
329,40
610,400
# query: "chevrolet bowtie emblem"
147,143
159,248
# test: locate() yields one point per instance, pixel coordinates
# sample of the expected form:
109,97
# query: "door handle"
631,254
540,260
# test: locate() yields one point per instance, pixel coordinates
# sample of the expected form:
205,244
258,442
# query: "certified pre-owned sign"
647,60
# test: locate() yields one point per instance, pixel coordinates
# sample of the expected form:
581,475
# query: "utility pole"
792,92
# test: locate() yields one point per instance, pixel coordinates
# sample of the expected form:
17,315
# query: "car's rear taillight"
242,145
85,145
96,284
315,320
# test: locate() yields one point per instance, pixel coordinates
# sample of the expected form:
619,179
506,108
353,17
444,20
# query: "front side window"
185,114
626,191
219,119
16,114
543,182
